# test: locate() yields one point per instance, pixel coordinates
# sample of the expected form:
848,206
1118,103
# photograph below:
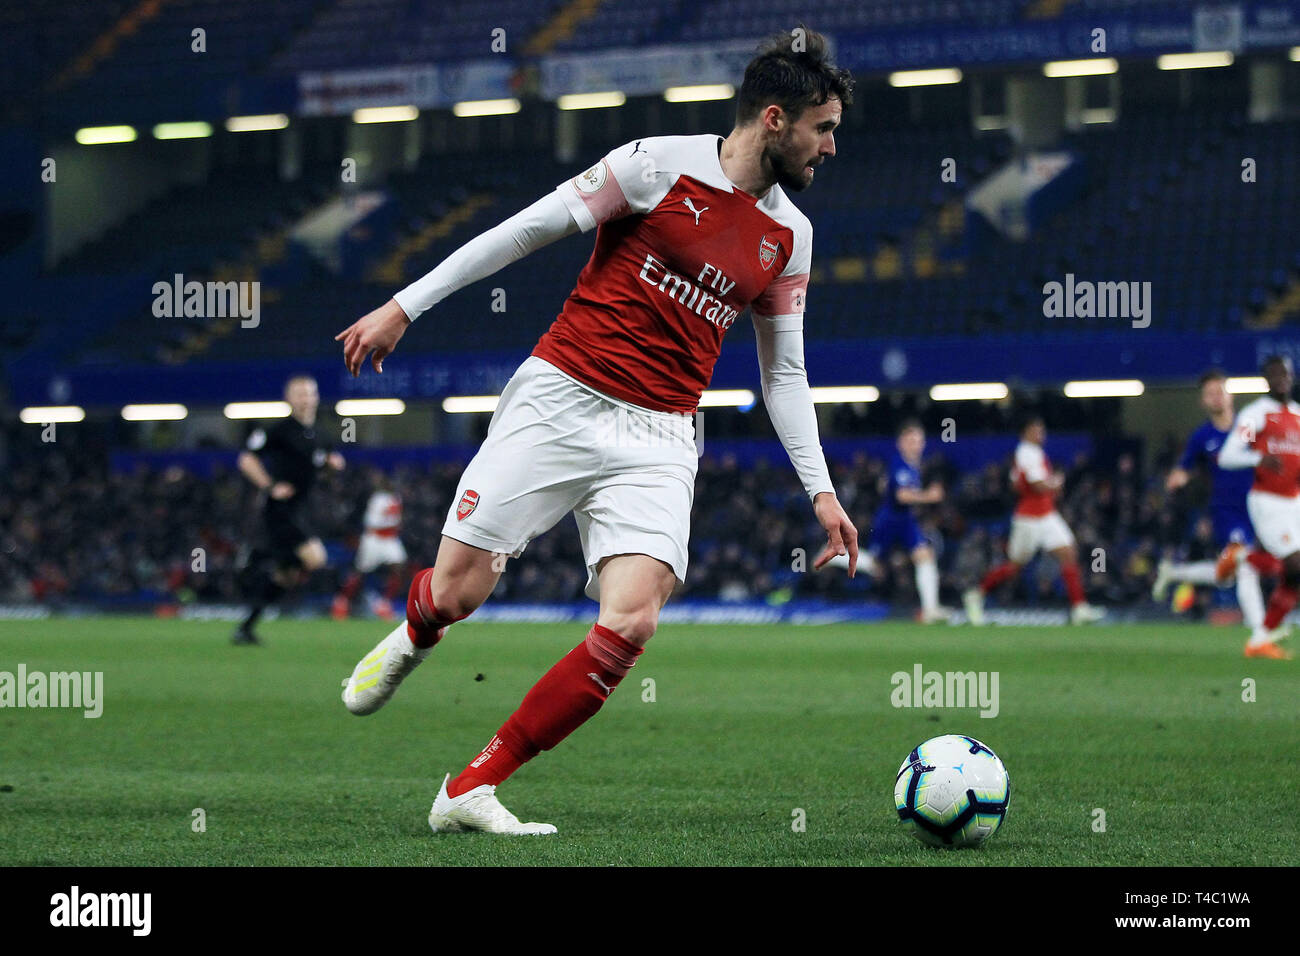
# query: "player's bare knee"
453,598
635,625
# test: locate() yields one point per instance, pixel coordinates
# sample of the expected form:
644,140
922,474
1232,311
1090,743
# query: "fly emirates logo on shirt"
700,296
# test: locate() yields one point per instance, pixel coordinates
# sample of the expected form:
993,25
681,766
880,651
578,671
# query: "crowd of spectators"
73,529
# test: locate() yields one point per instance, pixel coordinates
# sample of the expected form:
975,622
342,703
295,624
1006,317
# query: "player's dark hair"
1274,359
1029,421
299,377
1211,375
907,425
794,71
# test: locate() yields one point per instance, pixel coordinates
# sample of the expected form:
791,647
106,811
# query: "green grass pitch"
748,725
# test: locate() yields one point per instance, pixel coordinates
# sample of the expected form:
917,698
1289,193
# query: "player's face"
1036,433
303,398
1215,398
911,444
804,144
1280,378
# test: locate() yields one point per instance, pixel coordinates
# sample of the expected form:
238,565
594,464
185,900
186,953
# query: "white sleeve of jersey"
1237,452
789,403
782,302
527,231
629,180
1031,462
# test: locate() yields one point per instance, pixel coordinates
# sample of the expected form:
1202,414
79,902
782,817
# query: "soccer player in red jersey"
1266,437
690,232
1036,525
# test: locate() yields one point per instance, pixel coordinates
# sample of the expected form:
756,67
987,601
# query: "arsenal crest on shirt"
465,507
767,251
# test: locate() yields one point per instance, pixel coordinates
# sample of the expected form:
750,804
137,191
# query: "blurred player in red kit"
690,232
1036,525
380,547
1266,437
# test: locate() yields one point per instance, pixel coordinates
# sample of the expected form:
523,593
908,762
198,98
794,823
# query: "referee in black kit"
282,462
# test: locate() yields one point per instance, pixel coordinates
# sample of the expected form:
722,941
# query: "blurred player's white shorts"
1028,535
1276,520
555,446
375,551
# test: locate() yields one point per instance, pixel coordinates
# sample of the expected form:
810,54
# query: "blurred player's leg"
343,600
1081,612
973,598
866,563
633,588
1250,598
927,586
1193,572
1225,568
273,579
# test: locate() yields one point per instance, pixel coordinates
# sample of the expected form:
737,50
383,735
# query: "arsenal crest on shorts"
465,507
767,251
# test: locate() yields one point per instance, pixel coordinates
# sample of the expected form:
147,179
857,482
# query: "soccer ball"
952,791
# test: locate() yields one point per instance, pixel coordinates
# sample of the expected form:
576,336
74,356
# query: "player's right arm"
1238,449
616,186
930,495
1033,466
251,467
540,224
1181,473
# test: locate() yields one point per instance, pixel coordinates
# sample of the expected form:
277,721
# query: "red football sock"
1280,605
566,697
424,622
393,585
351,586
1073,583
999,576
1265,563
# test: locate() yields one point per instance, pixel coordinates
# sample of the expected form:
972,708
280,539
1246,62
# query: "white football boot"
374,680
479,809
973,599
935,615
1085,613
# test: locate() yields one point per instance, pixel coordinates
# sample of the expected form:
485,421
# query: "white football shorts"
1276,520
555,445
375,551
1029,534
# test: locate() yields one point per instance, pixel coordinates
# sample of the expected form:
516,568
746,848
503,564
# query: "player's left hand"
377,332
335,461
841,536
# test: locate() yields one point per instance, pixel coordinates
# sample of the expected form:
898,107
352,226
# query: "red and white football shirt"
383,514
680,253
1031,465
1271,428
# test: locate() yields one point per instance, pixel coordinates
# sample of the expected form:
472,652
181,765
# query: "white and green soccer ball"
952,791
